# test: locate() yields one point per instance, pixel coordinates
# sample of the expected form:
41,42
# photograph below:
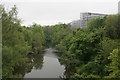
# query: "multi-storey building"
84,18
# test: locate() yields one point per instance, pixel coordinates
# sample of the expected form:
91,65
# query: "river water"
50,67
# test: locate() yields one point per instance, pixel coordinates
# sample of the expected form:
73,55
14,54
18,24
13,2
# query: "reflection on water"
37,61
45,66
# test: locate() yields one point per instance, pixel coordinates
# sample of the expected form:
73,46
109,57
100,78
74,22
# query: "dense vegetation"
91,52
17,42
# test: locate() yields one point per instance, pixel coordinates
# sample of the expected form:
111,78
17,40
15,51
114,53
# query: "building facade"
84,18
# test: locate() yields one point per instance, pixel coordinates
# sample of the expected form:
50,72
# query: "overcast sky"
49,12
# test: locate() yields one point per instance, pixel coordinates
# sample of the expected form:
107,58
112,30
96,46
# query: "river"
50,67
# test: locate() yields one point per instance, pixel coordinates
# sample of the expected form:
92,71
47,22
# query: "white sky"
49,12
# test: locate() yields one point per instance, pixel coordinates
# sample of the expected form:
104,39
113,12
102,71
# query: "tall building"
84,18
119,7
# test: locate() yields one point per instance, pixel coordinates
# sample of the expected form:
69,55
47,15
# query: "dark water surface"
50,67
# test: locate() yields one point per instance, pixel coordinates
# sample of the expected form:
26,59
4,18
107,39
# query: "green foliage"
48,31
60,32
114,66
107,45
96,23
15,48
61,48
38,38
84,43
112,26
17,42
83,76
37,30
1,8
84,52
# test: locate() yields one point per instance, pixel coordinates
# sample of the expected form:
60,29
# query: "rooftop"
92,13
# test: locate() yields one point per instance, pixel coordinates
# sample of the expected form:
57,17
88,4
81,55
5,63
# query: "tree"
38,38
112,26
14,48
96,23
114,66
